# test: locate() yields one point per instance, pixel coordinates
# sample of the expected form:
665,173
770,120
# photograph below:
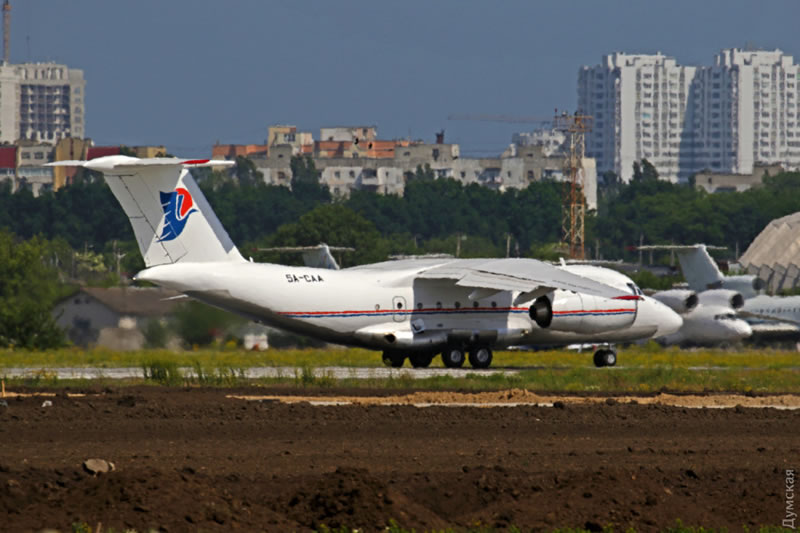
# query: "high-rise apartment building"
41,102
684,119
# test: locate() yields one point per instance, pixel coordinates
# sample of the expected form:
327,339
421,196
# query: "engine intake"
680,301
722,297
581,313
542,312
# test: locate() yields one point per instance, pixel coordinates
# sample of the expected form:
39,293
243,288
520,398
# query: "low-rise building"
148,151
276,165
352,158
8,165
114,317
724,182
68,149
232,151
300,141
32,174
349,133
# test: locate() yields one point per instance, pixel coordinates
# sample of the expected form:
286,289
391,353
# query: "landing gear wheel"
421,360
393,359
453,357
480,357
605,357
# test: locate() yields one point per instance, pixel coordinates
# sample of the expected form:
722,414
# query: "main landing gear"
453,356
605,357
417,359
479,356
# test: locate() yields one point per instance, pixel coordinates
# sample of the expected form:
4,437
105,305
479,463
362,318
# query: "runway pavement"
335,372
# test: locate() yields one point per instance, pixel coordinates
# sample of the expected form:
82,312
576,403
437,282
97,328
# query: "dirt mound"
352,497
526,397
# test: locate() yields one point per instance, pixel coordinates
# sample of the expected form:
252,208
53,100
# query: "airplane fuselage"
383,308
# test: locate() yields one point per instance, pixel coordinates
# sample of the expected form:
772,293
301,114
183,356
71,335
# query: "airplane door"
400,309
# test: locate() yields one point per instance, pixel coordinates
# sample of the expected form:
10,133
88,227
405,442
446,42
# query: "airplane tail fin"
318,256
699,268
171,218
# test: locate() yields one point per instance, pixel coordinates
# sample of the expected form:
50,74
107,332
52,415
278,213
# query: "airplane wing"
511,274
767,331
766,318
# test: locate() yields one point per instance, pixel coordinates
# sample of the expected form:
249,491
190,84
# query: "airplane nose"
666,320
742,329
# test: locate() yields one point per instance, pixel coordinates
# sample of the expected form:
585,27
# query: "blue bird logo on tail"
177,206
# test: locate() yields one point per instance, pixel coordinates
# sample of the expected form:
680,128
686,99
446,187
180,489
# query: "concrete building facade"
42,102
725,182
684,119
342,174
551,140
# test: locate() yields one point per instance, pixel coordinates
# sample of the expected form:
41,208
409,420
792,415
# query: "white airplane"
702,273
769,317
607,355
709,318
412,308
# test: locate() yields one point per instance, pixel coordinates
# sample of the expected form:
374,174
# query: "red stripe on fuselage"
446,310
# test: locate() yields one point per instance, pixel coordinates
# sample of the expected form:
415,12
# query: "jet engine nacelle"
679,300
723,297
581,313
747,286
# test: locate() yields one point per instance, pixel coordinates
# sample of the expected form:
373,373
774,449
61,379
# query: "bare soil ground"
189,459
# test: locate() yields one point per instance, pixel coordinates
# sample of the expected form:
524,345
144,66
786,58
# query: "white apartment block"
551,140
684,119
42,102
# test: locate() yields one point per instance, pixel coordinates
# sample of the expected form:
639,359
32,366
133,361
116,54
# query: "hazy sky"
186,73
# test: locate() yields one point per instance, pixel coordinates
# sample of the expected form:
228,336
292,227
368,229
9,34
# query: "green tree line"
434,215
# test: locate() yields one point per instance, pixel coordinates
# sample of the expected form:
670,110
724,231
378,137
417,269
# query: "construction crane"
573,208
500,118
6,32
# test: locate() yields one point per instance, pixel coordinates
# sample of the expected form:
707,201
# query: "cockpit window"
635,289
725,316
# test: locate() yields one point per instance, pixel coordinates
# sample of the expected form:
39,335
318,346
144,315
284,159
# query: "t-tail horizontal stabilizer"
171,218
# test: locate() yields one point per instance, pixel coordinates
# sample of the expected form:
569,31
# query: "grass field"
640,369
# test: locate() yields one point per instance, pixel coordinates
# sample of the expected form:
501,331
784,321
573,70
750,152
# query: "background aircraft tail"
699,268
171,218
